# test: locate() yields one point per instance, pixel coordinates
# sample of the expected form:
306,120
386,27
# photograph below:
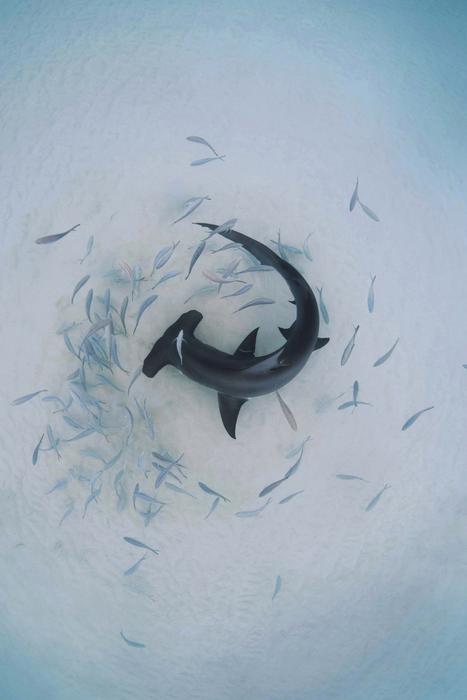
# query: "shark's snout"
163,349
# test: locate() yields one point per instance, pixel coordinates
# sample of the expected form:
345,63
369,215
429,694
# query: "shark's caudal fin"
163,350
320,343
229,406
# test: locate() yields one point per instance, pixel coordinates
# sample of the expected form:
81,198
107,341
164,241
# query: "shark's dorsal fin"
287,331
320,343
248,345
229,407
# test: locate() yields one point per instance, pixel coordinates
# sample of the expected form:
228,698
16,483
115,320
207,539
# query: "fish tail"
162,353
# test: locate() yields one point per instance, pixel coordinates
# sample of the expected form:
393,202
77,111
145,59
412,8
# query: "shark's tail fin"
164,350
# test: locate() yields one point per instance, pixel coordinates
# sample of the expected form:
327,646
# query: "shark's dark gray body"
242,375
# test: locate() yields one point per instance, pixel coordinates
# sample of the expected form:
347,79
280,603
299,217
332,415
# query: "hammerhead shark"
243,375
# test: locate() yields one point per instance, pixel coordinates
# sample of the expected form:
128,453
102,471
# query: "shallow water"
302,97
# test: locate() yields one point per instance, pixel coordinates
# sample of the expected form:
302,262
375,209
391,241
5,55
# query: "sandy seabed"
302,97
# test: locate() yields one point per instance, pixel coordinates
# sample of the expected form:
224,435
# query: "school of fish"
98,408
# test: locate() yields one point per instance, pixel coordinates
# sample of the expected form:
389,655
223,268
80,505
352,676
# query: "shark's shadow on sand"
241,376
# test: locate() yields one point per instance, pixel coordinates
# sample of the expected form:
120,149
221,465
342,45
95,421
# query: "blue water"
302,97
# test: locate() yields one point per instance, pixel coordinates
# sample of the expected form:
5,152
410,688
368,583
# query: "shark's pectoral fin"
320,343
229,407
287,331
248,345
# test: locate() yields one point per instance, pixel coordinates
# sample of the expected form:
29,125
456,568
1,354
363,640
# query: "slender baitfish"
137,543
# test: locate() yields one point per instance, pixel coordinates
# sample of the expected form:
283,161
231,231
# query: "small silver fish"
386,355
349,347
145,415
178,342
166,277
228,246
295,466
137,374
288,248
223,228
80,436
56,236
289,498
306,249
145,305
352,404
107,381
270,487
287,412
114,354
137,543
211,492
60,484
106,301
27,397
123,309
375,500
413,418
99,326
203,161
135,566
371,214
170,460
220,280
53,441
371,295
178,489
255,268
282,250
355,391
74,423
203,142
252,513
117,482
196,255
89,246
88,303
192,205
132,424
296,450
79,286
277,586
35,454
350,477
93,496
208,289
322,306
67,512
213,507
163,257
144,497
238,292
354,197
259,301
69,345
131,643
150,514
